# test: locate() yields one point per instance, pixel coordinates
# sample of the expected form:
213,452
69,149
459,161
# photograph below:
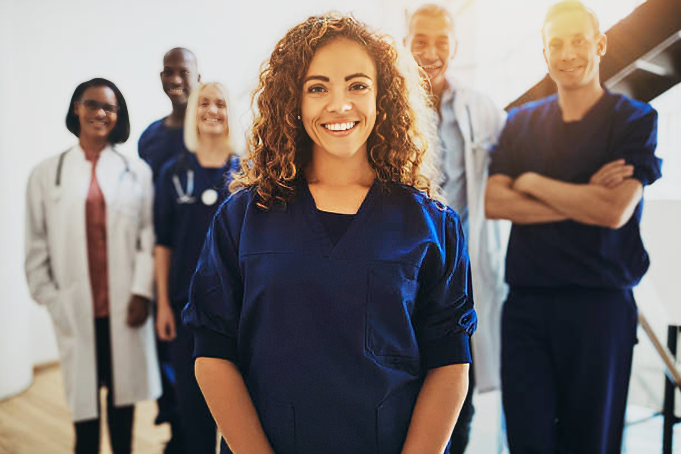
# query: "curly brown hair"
280,148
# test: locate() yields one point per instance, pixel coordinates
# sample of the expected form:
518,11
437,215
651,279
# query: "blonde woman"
189,189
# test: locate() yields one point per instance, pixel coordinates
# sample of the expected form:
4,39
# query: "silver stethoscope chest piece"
182,196
209,197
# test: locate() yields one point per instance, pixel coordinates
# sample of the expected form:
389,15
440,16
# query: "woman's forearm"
437,409
162,258
225,392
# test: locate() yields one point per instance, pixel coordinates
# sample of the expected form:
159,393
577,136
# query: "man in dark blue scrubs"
569,171
163,138
161,141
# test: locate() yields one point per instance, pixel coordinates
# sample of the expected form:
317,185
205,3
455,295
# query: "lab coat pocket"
390,335
59,312
278,420
393,417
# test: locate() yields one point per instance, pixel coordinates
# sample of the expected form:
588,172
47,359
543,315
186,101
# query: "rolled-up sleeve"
502,160
637,142
445,317
215,294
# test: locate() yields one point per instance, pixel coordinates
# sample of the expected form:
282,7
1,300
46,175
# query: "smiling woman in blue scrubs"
331,304
189,189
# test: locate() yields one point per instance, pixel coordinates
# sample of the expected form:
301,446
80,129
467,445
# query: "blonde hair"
191,127
568,6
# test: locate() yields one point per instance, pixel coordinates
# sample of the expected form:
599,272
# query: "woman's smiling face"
211,115
338,107
96,122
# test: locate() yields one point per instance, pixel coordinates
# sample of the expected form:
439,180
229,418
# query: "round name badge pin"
209,197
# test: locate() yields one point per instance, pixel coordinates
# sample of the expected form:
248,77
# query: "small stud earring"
298,117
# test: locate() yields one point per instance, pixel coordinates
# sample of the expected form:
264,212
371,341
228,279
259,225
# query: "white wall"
15,363
48,47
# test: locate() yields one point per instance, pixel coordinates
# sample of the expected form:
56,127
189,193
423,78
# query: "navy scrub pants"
197,424
565,367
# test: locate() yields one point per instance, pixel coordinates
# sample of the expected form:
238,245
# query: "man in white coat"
89,243
469,125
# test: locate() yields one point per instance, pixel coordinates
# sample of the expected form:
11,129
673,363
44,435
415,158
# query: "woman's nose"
339,102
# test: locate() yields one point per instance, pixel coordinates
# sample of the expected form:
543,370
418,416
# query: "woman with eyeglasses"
189,189
89,260
331,304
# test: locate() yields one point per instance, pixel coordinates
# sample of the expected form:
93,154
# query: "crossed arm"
608,200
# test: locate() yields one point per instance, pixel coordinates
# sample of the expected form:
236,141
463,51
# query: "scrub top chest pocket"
391,299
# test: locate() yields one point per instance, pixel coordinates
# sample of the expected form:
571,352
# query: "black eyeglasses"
94,106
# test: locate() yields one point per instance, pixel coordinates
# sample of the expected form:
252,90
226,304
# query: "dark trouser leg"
462,429
167,403
87,436
199,429
594,348
527,374
119,419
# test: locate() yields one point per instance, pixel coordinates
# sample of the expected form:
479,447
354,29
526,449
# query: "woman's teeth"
211,120
340,126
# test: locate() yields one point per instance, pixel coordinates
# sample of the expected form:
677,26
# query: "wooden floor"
38,421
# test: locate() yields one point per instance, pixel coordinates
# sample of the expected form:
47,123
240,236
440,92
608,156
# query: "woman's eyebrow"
322,78
352,76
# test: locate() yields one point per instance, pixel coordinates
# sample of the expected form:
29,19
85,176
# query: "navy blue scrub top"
333,342
569,253
158,144
182,227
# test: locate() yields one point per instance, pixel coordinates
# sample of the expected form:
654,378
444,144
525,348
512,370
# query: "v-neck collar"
321,236
588,117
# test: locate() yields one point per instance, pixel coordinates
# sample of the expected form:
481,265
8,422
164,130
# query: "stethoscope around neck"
208,197
60,165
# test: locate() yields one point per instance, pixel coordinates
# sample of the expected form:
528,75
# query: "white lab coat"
58,275
479,117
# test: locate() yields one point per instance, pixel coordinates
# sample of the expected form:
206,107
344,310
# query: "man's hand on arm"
612,174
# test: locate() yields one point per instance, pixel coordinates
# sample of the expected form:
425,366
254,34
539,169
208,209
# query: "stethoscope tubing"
60,165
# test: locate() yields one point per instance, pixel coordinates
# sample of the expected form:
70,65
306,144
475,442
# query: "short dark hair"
121,130
568,6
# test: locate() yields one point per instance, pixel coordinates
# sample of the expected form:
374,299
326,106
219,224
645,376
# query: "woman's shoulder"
51,163
419,205
237,203
412,197
421,209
